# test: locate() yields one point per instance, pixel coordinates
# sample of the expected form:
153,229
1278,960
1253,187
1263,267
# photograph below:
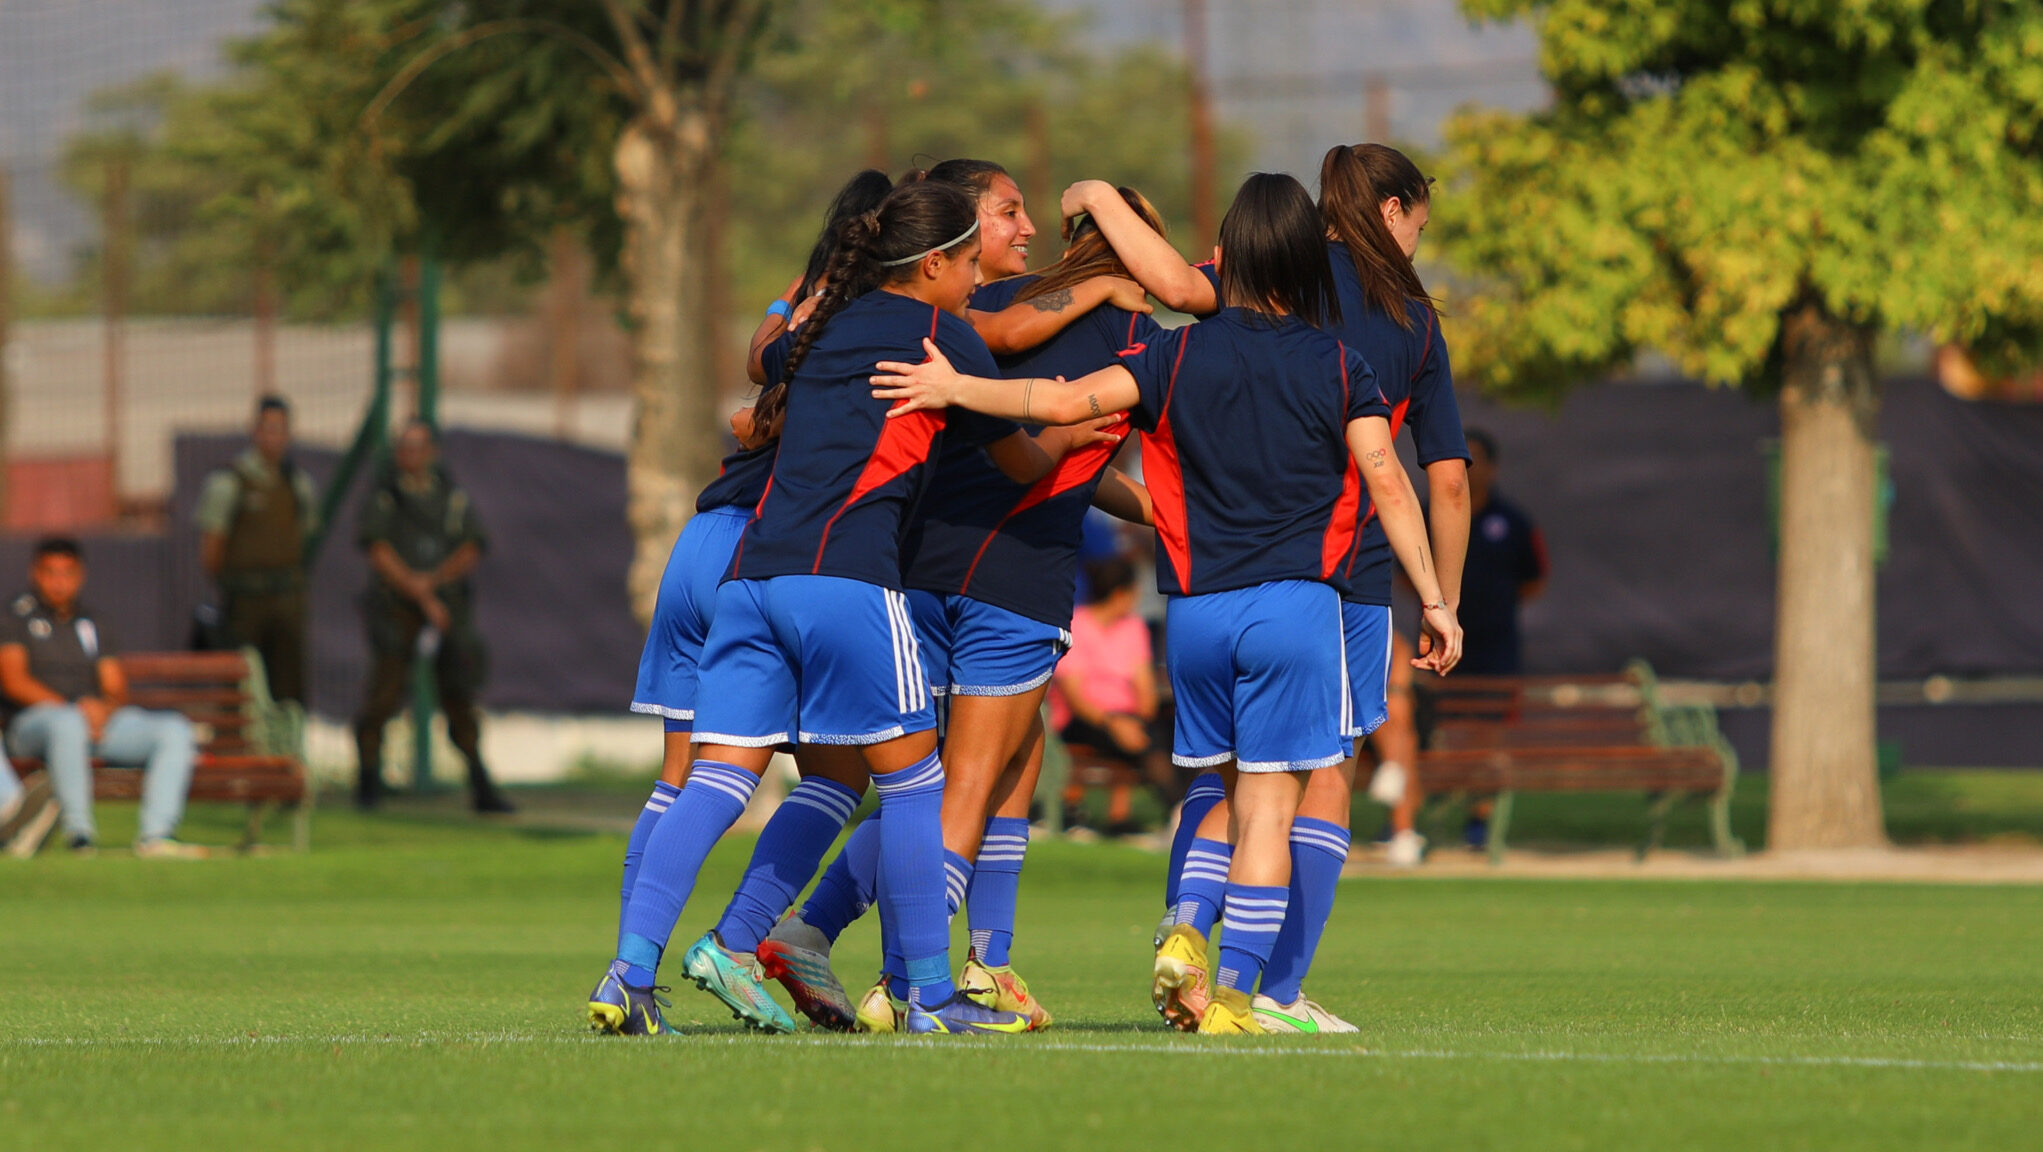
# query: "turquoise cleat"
737,981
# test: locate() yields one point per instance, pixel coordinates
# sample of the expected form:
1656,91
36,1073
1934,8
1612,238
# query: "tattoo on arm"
1376,458
1056,300
1093,401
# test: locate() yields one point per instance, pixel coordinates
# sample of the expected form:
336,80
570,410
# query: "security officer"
254,517
423,539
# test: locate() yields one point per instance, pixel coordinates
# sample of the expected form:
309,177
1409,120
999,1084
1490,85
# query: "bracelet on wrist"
1440,603
780,308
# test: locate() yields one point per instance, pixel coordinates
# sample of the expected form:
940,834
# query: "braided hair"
914,219
860,195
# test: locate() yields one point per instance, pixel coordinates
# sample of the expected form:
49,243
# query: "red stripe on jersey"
1075,470
1342,529
903,444
1397,421
1165,476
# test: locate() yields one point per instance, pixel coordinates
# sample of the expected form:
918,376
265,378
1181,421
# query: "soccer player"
1249,420
992,570
833,779
812,640
1374,203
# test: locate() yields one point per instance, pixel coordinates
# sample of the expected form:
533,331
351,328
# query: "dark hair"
860,195
974,176
1106,576
914,220
1273,252
1354,181
1086,251
1478,436
271,402
58,546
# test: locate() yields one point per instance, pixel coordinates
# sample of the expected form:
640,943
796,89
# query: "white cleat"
1304,1017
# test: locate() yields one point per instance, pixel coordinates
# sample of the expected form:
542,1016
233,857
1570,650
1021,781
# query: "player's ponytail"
884,245
1354,181
859,196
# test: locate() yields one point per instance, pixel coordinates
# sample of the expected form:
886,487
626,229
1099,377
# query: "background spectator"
423,539
1104,695
1506,568
254,517
66,700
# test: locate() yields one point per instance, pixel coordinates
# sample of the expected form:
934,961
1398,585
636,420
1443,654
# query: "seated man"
65,699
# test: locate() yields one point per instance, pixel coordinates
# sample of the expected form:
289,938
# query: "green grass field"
416,982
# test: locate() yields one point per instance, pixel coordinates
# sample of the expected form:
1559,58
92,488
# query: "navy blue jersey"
1505,552
1413,375
1245,450
1015,546
847,479
740,480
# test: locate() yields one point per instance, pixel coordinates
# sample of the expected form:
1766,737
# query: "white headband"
962,237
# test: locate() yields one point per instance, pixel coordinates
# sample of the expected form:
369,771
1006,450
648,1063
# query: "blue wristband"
780,308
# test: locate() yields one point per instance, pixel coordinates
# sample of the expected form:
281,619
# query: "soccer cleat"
1229,1014
806,975
1001,989
1406,849
165,848
878,1011
959,1016
620,1009
1179,991
1163,927
734,978
1304,1016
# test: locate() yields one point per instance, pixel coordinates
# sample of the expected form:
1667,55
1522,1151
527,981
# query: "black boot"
484,795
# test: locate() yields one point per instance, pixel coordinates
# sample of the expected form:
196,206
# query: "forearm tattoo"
1056,300
1093,402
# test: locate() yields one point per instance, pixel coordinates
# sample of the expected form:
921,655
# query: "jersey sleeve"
1153,365
965,426
105,638
773,357
1211,272
215,512
999,295
1364,398
1434,416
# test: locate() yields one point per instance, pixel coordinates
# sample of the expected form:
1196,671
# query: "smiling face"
1406,224
1004,229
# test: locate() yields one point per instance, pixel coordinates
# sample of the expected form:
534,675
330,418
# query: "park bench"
1502,735
248,744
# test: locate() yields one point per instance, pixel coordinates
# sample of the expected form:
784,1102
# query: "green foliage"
1705,167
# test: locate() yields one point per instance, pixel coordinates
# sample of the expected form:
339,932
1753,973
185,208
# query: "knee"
67,724
174,730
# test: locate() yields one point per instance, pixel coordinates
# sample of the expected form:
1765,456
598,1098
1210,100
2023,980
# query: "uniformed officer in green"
254,517
423,539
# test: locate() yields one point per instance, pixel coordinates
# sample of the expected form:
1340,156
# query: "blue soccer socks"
957,880
849,885
713,799
913,876
996,888
634,848
1254,916
1200,797
1319,850
1203,886
790,847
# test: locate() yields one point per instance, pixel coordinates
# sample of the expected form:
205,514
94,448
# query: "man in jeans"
66,702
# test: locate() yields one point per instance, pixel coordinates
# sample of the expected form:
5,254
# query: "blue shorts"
813,659
972,648
1260,676
1368,632
687,603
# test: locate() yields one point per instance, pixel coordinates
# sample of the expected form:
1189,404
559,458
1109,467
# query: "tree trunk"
1825,776
661,163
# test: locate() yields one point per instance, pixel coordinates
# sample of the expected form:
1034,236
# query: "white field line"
1187,1048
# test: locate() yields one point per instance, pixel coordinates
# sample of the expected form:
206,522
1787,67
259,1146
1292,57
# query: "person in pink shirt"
1104,694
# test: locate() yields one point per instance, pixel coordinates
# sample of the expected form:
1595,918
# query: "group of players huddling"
882,579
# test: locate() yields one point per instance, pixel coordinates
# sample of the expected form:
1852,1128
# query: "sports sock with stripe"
1203,887
1319,850
957,880
1249,931
1200,797
635,848
849,885
790,847
913,876
711,801
996,888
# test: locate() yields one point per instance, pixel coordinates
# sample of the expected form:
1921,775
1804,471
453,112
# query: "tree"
1758,190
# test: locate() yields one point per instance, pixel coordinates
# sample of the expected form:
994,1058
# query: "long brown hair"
1354,181
1274,252
1086,251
